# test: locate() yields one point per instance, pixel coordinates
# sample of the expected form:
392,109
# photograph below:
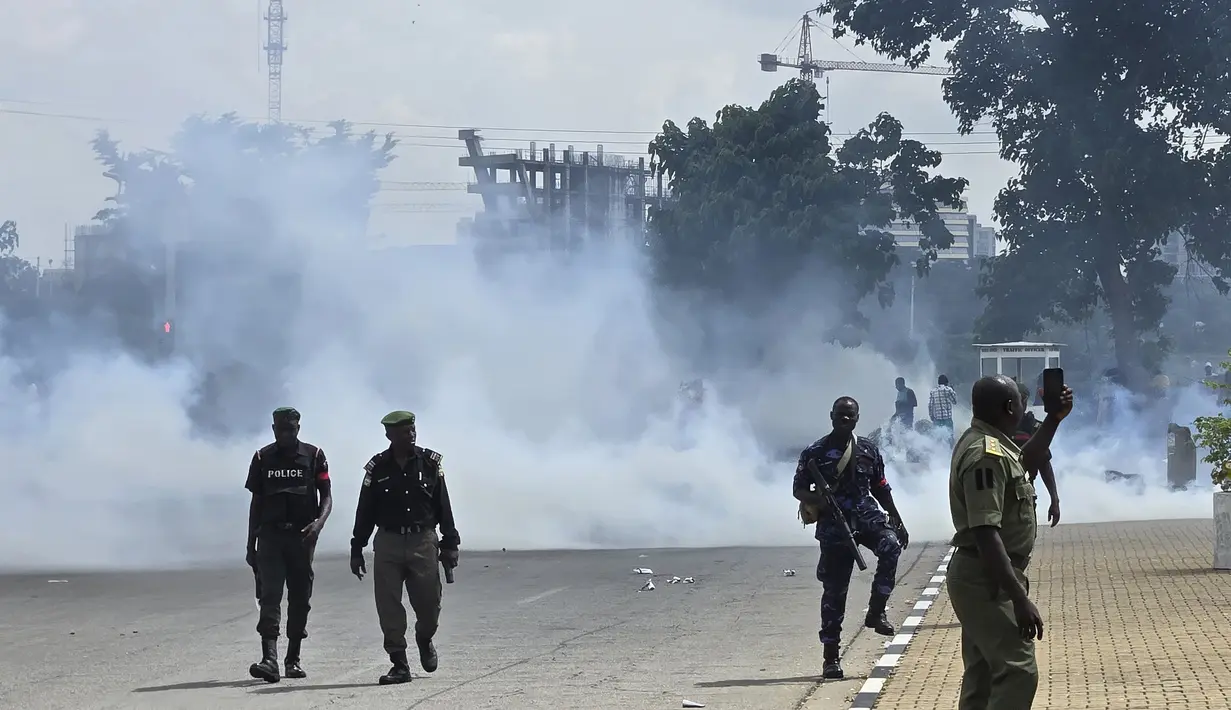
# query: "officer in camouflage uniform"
992,502
404,498
291,500
855,472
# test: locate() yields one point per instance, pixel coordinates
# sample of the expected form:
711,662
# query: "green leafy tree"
17,276
1214,434
1109,110
226,192
762,193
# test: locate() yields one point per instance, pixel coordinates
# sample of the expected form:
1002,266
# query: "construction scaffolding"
538,199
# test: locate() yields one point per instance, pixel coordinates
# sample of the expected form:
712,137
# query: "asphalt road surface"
519,630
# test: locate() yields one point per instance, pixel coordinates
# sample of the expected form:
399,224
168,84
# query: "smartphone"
1053,388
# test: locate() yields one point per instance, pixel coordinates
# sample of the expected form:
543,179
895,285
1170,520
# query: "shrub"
1214,434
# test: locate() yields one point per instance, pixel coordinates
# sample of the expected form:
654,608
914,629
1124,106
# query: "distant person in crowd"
1027,428
904,405
940,407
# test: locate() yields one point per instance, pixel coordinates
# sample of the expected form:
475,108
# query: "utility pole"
275,21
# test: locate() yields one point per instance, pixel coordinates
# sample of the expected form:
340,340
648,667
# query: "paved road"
520,630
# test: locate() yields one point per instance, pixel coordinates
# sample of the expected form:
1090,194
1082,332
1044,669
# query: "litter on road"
693,704
643,570
689,580
648,586
788,573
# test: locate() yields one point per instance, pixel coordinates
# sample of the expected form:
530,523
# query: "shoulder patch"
991,445
371,464
367,479
433,456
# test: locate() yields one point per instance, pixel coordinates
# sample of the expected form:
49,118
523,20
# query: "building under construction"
538,199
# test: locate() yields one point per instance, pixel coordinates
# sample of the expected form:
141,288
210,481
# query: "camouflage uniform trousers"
834,570
409,560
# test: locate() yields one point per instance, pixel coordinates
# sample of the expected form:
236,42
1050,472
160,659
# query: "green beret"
286,414
398,418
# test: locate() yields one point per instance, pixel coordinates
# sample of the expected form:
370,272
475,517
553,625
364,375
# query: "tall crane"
275,21
811,69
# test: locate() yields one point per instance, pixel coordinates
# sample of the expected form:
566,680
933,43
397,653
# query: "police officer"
992,502
291,500
854,470
404,498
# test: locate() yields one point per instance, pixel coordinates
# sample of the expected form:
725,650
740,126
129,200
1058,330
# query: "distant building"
1175,252
546,199
984,244
906,234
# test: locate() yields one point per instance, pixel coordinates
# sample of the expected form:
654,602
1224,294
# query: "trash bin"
1181,457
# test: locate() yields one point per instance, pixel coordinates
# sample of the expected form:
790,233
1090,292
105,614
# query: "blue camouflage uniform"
869,524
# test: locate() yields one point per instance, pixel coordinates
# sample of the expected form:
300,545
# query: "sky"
535,70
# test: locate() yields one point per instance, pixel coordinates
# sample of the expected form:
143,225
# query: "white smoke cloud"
547,387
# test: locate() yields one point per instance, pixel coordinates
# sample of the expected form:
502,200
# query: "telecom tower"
275,20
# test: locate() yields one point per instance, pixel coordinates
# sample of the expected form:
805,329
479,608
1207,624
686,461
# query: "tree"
1214,434
17,276
761,195
235,197
1109,110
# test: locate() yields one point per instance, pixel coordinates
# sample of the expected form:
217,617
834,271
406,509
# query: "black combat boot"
293,669
832,669
400,672
267,669
427,655
876,619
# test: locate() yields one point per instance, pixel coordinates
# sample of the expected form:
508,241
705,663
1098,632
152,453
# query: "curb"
870,691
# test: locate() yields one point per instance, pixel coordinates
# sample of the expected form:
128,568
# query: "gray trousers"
409,561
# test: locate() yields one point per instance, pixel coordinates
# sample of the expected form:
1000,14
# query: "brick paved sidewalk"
1135,618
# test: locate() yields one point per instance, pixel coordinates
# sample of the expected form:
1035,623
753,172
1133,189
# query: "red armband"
323,475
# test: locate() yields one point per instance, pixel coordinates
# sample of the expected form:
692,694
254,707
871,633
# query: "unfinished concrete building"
538,199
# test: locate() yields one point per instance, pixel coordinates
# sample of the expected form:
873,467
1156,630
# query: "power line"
556,132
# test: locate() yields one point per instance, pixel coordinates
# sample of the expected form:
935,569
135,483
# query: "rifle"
836,513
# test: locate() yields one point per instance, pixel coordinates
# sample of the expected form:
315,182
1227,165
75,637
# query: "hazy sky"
542,70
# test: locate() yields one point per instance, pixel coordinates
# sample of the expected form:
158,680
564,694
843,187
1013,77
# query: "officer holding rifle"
840,485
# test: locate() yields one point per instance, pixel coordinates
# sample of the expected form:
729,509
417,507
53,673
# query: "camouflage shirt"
852,488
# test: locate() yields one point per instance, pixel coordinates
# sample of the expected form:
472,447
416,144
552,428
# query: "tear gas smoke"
546,386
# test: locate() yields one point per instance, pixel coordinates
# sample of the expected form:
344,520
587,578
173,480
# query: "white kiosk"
1023,361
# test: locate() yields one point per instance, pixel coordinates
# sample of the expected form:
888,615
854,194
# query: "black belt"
408,529
282,527
1018,561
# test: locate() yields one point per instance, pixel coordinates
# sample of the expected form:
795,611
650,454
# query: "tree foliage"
1116,113
246,171
1214,434
17,276
236,196
762,193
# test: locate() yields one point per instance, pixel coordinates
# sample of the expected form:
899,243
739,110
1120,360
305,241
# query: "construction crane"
811,69
275,21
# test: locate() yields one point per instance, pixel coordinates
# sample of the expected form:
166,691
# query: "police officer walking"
993,506
404,498
291,500
854,471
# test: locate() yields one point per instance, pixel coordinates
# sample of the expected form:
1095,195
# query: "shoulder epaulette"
432,456
991,445
371,464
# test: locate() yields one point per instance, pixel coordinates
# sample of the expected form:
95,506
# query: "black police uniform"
405,504
286,483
